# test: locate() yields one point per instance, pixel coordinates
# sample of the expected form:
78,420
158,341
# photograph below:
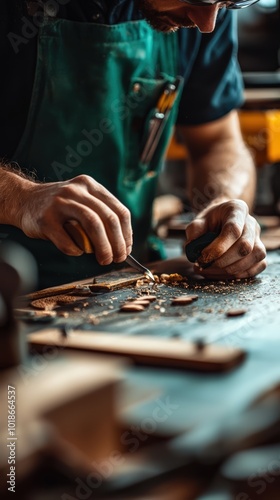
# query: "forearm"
222,185
41,210
226,171
220,165
14,189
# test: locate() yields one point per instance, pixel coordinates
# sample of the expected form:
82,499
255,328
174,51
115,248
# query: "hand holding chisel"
79,236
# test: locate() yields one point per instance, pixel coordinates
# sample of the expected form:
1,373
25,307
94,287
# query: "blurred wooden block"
74,392
153,351
271,238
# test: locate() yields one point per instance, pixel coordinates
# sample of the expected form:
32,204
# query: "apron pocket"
143,98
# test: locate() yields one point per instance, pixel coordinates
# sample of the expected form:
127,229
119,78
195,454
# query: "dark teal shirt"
207,61
213,84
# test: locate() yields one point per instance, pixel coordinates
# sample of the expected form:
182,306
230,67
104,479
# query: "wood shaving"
93,319
140,302
150,298
63,314
182,300
235,312
132,307
49,303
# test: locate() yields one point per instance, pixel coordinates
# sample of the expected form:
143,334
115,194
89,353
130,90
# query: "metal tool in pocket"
157,121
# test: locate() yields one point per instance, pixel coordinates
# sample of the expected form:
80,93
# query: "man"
81,85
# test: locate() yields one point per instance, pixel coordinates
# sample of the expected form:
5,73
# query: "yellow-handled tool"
79,236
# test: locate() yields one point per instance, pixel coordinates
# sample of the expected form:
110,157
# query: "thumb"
195,229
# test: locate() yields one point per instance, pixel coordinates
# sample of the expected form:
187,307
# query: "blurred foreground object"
57,411
18,275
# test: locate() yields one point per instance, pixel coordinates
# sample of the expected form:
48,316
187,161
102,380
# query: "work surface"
190,399
204,318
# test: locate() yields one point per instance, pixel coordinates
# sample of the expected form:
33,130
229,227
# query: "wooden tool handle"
79,236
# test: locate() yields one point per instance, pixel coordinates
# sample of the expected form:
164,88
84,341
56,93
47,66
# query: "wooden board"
114,281
55,290
103,283
144,349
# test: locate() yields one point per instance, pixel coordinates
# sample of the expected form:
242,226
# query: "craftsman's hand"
46,208
238,251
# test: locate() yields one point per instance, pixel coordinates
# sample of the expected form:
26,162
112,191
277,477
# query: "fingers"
105,220
254,270
103,229
212,273
105,232
241,247
195,229
238,251
230,218
246,257
115,208
92,240
243,268
108,226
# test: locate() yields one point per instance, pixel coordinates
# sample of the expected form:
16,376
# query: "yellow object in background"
176,150
261,132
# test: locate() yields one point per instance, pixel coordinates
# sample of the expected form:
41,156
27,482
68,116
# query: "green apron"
94,91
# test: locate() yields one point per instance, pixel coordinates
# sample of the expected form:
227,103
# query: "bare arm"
13,190
41,210
221,166
222,182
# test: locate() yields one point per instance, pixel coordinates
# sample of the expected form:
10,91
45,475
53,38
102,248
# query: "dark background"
259,36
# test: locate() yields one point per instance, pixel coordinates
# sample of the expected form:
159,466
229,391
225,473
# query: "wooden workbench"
189,399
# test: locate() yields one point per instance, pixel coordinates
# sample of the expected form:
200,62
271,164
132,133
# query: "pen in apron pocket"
159,118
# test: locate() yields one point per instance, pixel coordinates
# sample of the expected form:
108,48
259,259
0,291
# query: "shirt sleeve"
213,80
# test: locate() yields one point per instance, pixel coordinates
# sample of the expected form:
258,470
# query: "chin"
162,27
165,27
162,21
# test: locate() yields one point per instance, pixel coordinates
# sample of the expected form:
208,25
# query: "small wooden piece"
114,281
132,307
182,301
150,298
235,312
145,350
140,302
